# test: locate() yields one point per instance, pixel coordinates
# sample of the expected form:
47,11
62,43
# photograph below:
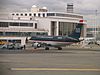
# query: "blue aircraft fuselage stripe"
55,40
51,41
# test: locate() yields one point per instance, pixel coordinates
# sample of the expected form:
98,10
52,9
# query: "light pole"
95,26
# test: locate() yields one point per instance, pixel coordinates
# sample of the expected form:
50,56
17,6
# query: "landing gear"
59,48
35,48
47,48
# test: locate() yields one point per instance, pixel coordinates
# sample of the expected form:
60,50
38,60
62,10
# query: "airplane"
57,41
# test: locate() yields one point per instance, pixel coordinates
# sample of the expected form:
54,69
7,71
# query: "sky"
53,5
85,7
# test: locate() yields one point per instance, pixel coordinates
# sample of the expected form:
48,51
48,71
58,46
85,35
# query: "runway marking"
53,69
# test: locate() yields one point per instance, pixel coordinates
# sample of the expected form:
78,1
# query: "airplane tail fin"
77,32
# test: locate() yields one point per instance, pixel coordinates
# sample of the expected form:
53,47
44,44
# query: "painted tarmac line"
53,69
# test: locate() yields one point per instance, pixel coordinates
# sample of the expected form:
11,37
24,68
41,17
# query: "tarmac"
71,60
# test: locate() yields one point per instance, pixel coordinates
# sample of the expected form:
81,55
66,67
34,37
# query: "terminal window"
30,14
35,25
50,14
34,15
39,15
13,14
25,14
21,14
17,14
3,24
43,15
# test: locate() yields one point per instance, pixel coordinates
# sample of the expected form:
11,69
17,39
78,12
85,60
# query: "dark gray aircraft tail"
77,31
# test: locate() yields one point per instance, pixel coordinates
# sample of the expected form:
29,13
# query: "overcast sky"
87,7
52,5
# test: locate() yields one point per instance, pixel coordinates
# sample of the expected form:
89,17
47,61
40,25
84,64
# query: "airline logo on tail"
78,30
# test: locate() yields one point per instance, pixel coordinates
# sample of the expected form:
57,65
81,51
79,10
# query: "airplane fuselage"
57,41
54,40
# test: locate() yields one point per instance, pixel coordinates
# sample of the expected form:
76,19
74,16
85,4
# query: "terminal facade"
39,21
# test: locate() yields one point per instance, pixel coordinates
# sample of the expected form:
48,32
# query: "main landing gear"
47,48
59,48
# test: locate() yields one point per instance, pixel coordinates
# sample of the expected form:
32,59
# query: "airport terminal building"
39,21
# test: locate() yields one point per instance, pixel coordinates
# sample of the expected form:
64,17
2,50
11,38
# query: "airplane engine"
36,45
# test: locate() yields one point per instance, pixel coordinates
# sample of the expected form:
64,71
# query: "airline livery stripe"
51,41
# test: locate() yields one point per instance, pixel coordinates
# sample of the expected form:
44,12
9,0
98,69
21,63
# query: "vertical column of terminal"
57,28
